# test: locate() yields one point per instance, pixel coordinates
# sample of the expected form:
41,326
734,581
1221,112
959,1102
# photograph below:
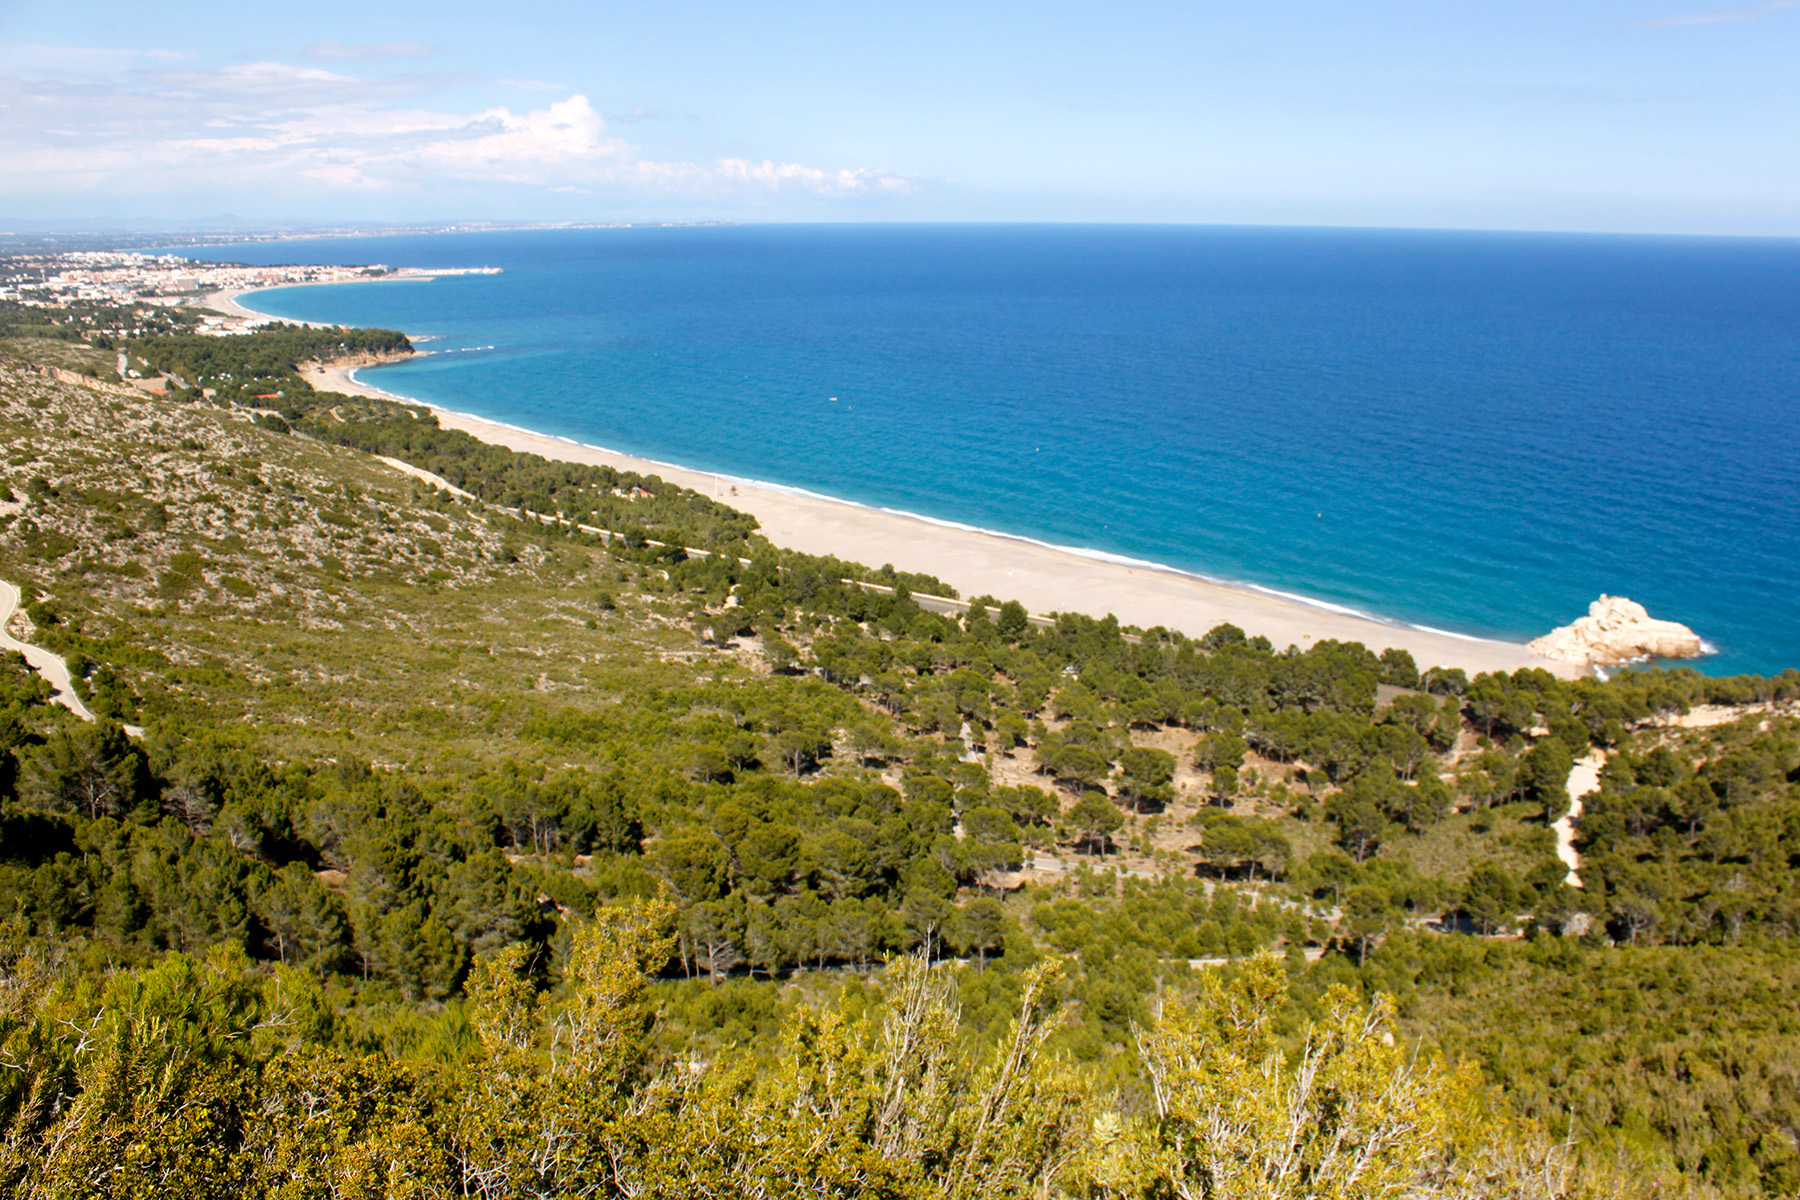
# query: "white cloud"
138,127
364,50
773,176
524,147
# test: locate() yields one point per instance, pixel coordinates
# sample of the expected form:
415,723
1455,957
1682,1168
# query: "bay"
1478,432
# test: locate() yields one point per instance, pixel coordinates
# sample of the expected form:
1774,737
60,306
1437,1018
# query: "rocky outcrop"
1617,630
113,387
366,358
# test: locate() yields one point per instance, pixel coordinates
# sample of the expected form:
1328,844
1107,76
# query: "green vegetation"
87,323
242,368
1690,1051
208,1076
512,845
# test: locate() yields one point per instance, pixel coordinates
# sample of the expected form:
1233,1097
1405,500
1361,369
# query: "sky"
1644,116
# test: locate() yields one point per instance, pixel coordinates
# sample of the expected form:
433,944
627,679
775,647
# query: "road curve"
49,665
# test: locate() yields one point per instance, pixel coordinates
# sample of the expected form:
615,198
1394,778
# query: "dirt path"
427,476
50,666
1584,780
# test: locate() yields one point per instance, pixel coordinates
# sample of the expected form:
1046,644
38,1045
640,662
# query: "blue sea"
1477,432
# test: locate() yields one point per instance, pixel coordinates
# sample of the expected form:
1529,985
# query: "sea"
1472,432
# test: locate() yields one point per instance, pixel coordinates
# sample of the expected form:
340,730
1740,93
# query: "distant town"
161,280
117,283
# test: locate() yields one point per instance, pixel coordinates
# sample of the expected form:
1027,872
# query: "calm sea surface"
1473,432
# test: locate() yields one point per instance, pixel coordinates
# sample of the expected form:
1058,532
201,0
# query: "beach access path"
1043,579
1584,781
1584,776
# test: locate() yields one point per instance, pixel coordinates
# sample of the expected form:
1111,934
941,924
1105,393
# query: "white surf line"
1584,781
50,666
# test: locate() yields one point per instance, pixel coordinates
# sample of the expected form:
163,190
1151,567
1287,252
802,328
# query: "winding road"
50,666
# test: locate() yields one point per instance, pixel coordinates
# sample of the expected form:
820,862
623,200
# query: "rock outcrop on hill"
1617,630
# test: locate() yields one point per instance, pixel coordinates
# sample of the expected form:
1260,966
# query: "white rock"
1617,630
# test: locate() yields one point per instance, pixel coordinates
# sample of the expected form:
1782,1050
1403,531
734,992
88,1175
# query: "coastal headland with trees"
501,825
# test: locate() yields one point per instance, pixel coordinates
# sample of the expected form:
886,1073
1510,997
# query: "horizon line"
149,227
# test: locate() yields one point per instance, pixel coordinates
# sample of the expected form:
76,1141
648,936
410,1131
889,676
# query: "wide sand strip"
225,300
1044,580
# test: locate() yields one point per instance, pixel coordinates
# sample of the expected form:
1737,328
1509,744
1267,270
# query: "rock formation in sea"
1617,630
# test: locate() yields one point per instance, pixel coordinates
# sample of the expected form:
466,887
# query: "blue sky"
1678,116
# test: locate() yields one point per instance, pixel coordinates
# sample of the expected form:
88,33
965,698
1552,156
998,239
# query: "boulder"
1617,630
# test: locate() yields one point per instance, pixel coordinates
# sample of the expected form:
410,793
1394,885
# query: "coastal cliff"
353,360
1617,630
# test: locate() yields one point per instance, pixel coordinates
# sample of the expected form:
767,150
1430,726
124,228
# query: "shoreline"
225,300
1043,577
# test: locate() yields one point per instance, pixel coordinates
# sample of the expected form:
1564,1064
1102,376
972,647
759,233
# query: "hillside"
405,743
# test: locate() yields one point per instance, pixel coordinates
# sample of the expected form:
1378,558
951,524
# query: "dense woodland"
576,840
243,368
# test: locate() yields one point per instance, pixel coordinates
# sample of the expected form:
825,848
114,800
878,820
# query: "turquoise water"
1467,431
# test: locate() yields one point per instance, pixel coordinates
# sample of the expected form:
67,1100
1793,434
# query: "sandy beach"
227,303
226,300
1043,579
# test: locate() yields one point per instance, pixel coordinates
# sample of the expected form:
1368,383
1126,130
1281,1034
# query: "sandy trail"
49,665
1584,780
1042,578
421,473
